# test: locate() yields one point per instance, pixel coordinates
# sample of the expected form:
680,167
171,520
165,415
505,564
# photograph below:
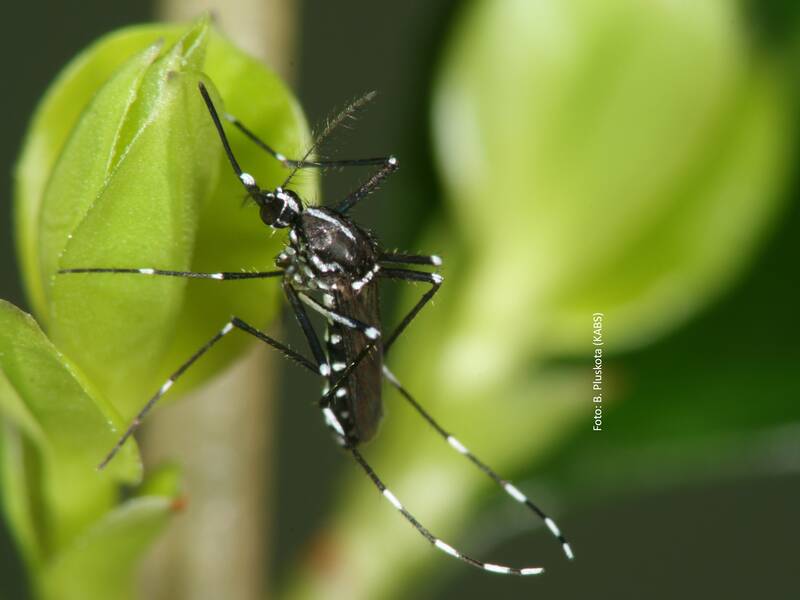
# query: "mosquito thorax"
327,251
279,208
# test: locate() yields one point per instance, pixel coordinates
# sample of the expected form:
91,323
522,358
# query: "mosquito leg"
389,163
368,330
308,331
303,163
346,113
441,545
292,163
508,487
434,279
227,328
220,276
411,259
248,181
389,166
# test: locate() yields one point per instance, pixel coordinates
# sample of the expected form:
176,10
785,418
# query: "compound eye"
271,211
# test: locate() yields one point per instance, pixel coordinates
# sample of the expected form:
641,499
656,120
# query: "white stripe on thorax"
326,217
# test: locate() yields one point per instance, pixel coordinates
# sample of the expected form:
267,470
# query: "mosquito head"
279,208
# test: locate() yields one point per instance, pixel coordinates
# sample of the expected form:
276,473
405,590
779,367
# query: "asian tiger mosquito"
328,254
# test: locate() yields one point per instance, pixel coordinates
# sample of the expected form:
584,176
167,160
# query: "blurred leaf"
136,185
726,407
15,490
101,563
163,480
714,425
632,169
55,434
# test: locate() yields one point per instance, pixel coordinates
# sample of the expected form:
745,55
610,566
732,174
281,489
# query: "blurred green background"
691,490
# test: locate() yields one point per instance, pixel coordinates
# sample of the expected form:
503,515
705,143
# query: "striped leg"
441,545
508,487
219,276
227,328
368,330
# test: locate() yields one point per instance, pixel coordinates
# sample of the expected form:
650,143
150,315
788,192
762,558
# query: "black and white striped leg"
368,330
441,545
219,276
434,279
227,328
508,487
411,259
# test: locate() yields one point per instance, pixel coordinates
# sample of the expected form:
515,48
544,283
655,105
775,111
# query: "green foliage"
105,552
135,181
640,165
57,428
122,167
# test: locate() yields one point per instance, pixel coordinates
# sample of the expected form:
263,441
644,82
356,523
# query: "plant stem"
221,435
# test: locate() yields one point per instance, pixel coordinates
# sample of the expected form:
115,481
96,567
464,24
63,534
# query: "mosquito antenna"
348,112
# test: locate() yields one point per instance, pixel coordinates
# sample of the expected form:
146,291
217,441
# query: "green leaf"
18,491
162,480
142,182
55,433
638,152
101,563
141,210
50,129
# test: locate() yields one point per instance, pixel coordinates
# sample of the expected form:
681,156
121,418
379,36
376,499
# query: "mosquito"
332,267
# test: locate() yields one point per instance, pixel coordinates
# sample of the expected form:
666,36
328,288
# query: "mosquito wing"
363,397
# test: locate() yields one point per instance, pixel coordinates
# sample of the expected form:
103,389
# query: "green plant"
121,167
